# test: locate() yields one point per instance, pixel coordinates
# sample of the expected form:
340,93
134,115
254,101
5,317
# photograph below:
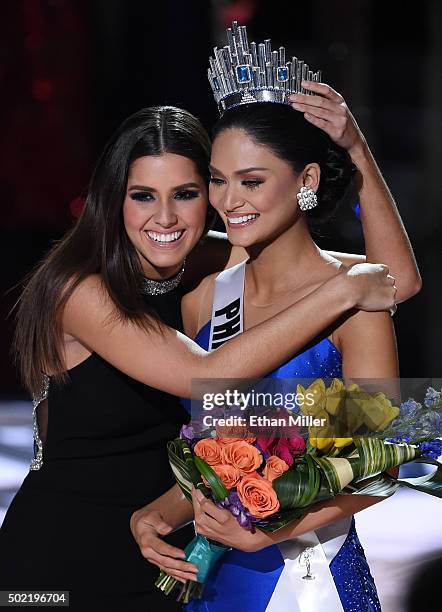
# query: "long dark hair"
98,242
293,139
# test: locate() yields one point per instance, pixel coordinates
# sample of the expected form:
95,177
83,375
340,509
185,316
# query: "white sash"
292,593
228,306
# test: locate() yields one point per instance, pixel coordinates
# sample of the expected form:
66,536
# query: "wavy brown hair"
98,242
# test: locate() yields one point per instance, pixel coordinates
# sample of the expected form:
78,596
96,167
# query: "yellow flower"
350,408
321,437
390,411
322,444
357,406
335,395
341,442
314,393
374,410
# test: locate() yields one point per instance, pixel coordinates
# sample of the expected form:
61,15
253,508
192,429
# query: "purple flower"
244,520
431,449
186,433
409,407
431,397
236,508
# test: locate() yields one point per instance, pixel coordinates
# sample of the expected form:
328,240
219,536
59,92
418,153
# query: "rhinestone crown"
241,73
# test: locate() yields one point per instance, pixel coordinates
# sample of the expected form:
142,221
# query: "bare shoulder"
90,287
88,298
196,305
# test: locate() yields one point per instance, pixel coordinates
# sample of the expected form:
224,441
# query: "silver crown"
241,73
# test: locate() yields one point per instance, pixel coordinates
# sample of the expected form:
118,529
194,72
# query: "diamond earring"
306,198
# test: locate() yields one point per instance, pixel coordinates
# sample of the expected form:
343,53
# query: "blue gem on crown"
282,74
241,72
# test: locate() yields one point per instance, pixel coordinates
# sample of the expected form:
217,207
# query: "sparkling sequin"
37,461
159,287
353,580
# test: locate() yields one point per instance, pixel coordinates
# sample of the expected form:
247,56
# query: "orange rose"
274,468
236,433
225,441
209,450
229,474
258,496
245,457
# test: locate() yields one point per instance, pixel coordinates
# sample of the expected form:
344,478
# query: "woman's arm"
221,526
169,360
385,236
216,253
386,239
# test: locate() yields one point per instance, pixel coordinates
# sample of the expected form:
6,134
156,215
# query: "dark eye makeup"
141,196
252,183
186,194
249,183
147,196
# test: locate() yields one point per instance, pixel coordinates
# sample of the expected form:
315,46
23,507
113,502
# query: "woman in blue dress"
270,166
263,155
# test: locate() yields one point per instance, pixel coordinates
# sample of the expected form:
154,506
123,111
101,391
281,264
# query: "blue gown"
247,581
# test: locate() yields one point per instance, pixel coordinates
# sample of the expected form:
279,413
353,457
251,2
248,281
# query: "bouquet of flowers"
267,481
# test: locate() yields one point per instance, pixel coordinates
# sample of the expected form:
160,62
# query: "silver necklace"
158,287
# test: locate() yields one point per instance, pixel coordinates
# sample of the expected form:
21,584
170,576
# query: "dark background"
71,71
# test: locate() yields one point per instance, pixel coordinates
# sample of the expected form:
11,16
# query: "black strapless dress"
104,457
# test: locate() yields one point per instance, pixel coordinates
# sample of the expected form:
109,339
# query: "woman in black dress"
99,345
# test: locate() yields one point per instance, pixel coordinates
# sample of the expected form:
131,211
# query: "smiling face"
164,211
253,190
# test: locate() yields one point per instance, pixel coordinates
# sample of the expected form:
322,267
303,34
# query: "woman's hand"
328,111
372,286
147,526
221,526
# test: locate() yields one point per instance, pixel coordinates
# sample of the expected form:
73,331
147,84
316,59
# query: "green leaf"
376,456
182,463
217,487
377,486
429,483
298,487
180,467
385,485
312,488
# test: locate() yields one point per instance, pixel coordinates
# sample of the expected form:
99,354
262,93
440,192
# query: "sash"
228,306
306,583
310,554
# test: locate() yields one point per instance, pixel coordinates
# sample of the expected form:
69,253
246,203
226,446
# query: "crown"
241,73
